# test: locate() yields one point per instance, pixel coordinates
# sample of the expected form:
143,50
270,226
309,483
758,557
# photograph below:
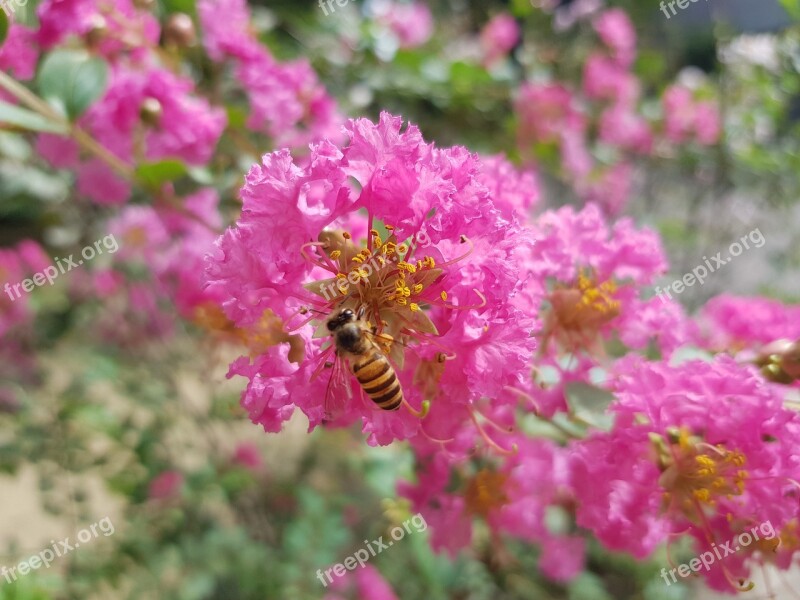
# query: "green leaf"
3,27
71,80
589,403
792,7
11,114
157,173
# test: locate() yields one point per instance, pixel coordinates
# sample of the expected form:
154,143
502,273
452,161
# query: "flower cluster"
418,242
287,102
597,133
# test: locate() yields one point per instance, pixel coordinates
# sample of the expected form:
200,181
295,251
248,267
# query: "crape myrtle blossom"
159,270
511,498
287,101
111,27
18,53
498,37
762,331
435,272
700,448
617,32
366,581
686,119
587,279
147,113
586,273
412,24
735,323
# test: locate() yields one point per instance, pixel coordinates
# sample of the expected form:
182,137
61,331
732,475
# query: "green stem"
84,140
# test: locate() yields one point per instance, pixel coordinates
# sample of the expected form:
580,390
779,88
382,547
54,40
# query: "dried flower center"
696,474
486,492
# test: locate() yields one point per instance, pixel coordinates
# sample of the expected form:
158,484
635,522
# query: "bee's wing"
339,390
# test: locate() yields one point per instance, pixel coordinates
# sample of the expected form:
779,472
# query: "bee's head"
343,317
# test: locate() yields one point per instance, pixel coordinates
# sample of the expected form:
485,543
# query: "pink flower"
367,583
545,110
16,265
439,279
697,448
563,557
248,456
165,486
287,101
657,320
19,53
515,192
59,151
99,183
617,32
227,31
611,189
621,126
707,124
411,23
733,323
144,115
684,118
499,36
606,79
109,28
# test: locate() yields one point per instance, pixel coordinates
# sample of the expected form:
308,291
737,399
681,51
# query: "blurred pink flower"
109,27
287,101
685,119
412,23
617,32
606,79
733,322
19,52
623,127
248,455
499,36
165,486
515,192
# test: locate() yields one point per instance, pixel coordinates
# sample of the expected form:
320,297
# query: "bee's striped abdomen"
378,379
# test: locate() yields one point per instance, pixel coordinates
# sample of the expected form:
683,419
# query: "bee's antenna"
306,309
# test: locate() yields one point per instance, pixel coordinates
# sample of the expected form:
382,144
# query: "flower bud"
179,31
150,112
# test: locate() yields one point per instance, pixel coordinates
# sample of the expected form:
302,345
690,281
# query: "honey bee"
354,340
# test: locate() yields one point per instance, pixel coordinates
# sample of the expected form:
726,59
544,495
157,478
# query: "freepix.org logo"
57,550
65,265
